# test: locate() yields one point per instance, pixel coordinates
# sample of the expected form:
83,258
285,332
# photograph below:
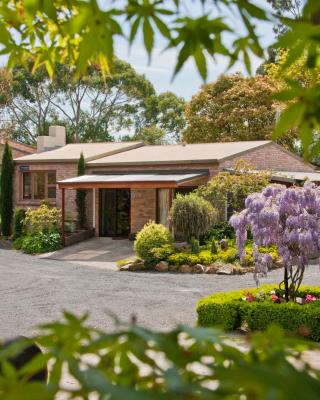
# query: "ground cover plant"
133,362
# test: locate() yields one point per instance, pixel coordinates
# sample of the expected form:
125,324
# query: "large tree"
93,107
233,108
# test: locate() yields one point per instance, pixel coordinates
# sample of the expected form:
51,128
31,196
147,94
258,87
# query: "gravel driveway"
34,291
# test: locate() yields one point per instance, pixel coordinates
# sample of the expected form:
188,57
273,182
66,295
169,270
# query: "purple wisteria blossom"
288,218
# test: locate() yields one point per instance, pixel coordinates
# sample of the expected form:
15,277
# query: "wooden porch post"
63,238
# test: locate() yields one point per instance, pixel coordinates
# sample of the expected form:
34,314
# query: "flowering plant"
288,218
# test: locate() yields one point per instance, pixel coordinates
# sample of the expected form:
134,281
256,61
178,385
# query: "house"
129,183
18,149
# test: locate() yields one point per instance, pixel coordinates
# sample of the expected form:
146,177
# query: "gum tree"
288,218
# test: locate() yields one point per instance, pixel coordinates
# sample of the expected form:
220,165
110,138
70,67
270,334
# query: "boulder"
227,269
211,269
136,266
198,269
162,266
186,269
126,267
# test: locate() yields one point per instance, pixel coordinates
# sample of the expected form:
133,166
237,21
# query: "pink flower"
310,298
249,297
275,298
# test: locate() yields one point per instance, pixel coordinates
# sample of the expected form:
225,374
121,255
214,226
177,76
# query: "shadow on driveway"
98,252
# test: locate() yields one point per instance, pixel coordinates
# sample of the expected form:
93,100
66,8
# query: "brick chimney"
56,138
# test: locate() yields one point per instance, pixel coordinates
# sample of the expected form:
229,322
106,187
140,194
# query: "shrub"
213,247
204,257
191,215
42,219
229,311
228,190
228,256
195,245
17,243
18,220
151,236
162,253
41,243
219,231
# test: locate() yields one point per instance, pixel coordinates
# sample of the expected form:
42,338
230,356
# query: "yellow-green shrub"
42,220
151,236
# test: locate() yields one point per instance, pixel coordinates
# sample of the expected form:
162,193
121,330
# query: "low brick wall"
77,237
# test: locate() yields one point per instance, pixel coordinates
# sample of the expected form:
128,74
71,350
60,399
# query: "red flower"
249,297
310,298
275,298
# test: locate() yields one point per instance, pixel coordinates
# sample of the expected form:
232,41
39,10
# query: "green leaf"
148,35
201,63
134,30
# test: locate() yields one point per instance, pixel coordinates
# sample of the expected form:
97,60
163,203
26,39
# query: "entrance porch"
123,203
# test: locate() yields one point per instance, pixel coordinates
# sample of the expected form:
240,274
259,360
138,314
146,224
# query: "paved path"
34,291
99,252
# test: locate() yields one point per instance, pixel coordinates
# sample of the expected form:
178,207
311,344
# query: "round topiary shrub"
192,216
152,235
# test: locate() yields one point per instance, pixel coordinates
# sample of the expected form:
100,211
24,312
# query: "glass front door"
114,212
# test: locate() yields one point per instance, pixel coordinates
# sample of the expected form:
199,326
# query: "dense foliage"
42,220
285,217
136,363
191,216
18,220
234,108
38,243
256,309
6,190
81,196
151,236
93,107
227,190
220,230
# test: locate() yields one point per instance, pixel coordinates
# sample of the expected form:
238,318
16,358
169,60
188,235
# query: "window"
39,185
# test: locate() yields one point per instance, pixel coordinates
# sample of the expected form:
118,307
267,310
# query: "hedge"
230,312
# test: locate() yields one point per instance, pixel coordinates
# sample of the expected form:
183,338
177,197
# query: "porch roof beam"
119,185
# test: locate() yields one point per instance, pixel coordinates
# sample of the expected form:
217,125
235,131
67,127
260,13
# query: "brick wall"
63,171
143,207
271,157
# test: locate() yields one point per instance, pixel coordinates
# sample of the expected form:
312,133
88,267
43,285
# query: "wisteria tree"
288,218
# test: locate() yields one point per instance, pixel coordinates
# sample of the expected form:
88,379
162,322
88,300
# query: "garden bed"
256,309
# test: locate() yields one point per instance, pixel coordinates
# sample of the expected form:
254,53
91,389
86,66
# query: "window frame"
32,185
